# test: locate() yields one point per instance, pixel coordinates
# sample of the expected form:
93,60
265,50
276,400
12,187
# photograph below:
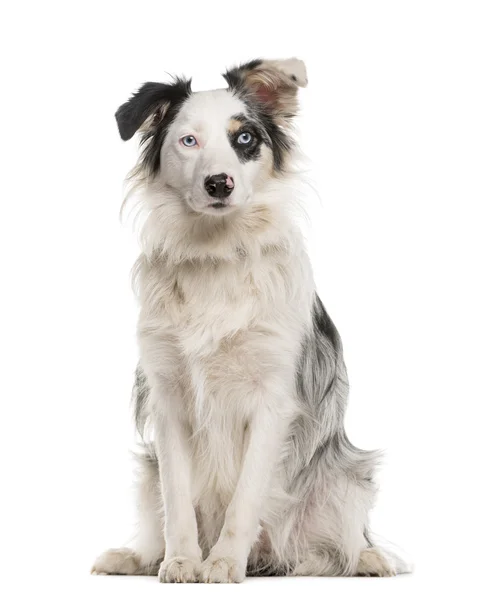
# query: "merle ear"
273,83
152,99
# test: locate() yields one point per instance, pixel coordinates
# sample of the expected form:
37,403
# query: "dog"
241,389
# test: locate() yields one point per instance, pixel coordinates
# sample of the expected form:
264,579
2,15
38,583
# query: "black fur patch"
234,76
161,100
250,151
275,137
324,325
321,356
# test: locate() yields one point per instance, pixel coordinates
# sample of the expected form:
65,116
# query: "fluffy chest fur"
203,303
216,330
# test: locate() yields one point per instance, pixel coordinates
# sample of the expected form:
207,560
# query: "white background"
395,125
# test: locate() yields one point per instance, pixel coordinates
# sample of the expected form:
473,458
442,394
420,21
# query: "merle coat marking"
241,389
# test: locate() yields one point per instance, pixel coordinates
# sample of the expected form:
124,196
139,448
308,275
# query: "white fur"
221,368
226,304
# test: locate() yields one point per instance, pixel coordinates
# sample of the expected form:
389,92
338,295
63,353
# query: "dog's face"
214,152
216,148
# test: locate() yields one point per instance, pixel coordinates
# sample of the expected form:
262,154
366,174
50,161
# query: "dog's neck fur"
176,234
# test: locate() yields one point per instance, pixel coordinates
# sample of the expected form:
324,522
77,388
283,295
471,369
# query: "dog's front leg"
183,555
227,560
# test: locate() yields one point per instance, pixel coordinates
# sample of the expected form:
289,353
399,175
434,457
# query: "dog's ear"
273,83
152,101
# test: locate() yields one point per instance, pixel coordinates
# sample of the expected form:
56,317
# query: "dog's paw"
222,570
373,563
118,561
179,570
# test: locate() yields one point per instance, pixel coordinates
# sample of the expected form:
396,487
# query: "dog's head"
215,148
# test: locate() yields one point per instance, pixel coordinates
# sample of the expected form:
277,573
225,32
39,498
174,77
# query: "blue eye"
244,138
189,140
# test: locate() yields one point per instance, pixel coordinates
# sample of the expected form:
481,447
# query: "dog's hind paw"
373,563
119,561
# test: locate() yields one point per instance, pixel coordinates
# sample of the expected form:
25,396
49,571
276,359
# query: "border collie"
241,388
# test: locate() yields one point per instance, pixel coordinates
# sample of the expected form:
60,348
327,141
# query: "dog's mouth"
218,205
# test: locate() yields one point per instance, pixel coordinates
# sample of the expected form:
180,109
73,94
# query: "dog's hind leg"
148,551
334,520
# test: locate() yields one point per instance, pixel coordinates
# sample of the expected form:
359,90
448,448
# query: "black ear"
151,98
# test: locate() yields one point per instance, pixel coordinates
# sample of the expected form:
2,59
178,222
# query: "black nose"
219,186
